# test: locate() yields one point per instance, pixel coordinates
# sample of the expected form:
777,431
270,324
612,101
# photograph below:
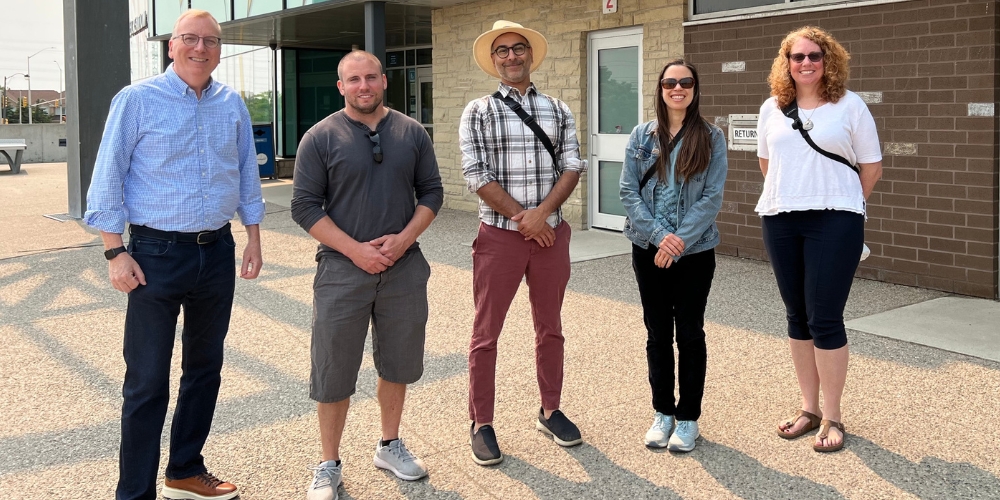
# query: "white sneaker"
684,436
397,459
326,480
659,432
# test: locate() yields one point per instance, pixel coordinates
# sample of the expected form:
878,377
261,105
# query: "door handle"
593,145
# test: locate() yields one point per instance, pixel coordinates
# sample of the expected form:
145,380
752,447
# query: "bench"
16,146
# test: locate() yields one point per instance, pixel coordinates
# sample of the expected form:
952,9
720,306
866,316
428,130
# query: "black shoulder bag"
530,122
792,111
666,155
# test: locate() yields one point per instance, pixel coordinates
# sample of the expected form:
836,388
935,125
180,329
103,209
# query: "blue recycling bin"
263,141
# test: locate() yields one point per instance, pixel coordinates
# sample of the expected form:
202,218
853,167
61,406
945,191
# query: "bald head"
357,55
196,13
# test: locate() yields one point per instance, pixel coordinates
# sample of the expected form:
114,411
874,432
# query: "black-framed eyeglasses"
669,83
799,57
518,49
191,40
376,146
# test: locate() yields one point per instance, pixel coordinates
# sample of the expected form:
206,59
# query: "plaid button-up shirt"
498,146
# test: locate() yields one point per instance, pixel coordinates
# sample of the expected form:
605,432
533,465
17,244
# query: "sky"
27,26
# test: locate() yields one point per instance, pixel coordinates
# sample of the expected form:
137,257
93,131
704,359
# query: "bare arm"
870,174
499,200
763,166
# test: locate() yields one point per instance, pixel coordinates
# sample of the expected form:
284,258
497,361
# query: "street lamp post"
62,102
25,75
29,79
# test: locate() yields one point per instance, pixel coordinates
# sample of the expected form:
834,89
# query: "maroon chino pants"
500,258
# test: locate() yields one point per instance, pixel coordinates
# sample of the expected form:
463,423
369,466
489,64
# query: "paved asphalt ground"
921,421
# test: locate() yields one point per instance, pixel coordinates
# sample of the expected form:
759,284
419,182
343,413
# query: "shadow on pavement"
931,477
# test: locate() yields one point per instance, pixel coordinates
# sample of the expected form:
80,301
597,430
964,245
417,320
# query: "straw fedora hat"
483,46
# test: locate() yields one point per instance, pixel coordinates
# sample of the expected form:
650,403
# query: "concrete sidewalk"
920,420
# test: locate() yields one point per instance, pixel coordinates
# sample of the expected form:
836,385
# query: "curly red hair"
835,69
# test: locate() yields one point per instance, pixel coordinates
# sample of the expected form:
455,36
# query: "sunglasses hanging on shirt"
376,146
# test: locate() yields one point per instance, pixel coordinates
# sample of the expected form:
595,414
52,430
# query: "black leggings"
814,254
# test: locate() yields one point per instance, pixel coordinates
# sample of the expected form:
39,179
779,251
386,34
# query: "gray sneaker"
326,480
397,459
659,432
684,436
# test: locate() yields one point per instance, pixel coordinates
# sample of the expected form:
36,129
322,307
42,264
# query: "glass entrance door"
425,100
615,95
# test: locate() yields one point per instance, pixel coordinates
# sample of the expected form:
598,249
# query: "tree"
8,110
38,115
259,106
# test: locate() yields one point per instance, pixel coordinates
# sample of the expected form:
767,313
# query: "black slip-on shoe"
563,432
485,450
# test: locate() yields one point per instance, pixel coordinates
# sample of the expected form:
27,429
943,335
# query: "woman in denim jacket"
671,223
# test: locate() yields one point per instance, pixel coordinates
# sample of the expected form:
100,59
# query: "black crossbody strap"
531,123
792,111
670,148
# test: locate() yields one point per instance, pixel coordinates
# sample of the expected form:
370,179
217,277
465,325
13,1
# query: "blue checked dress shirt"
173,162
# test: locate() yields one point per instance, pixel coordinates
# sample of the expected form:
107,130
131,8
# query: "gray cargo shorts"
346,300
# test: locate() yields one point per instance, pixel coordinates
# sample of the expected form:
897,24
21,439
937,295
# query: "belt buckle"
204,233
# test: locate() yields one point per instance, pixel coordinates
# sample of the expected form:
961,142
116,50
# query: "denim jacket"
699,197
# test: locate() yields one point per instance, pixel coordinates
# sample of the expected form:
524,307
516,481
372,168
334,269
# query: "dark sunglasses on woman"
813,56
670,83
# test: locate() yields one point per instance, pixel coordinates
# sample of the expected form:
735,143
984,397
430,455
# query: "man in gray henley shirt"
366,186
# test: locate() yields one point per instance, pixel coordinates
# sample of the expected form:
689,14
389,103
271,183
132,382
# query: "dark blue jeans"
814,254
676,295
201,278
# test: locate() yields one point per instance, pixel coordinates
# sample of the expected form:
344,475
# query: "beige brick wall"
563,74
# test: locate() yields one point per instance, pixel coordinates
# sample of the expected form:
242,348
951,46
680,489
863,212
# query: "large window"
249,8
708,9
219,9
410,84
165,13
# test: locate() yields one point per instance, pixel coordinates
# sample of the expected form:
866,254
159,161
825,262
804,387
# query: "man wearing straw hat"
521,156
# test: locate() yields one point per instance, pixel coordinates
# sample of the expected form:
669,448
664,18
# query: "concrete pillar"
97,67
375,30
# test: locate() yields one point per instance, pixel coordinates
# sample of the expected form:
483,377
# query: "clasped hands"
381,253
670,246
532,225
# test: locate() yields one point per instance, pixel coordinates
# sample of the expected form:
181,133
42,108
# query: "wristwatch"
112,253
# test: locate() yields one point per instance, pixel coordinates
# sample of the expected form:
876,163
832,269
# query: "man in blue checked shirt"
176,162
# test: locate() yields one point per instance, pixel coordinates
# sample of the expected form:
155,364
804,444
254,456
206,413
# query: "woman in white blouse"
813,213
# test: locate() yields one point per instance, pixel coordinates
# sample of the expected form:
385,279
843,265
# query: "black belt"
201,238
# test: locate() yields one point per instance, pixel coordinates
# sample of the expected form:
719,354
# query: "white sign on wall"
743,132
610,6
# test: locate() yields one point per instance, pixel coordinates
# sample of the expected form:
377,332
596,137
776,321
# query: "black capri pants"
814,254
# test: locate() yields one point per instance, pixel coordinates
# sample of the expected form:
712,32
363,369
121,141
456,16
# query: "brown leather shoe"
204,486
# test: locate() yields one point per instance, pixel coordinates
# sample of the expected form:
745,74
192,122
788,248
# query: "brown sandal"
824,431
814,422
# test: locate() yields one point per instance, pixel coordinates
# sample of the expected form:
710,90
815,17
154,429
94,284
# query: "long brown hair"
696,149
835,68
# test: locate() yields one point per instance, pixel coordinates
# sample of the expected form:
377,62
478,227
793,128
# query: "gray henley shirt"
336,175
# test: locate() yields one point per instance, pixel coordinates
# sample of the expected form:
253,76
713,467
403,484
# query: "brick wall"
563,74
929,73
